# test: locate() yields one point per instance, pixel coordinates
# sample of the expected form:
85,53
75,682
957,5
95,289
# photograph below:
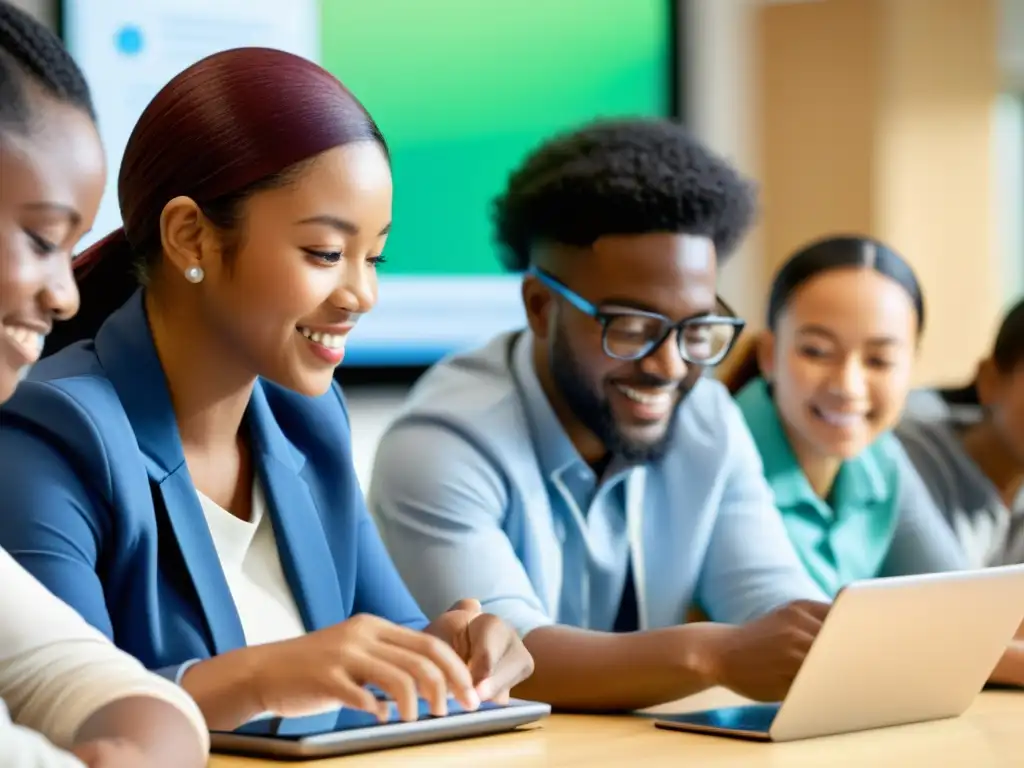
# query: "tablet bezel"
390,735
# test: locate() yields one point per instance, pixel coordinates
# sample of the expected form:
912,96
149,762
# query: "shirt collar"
861,480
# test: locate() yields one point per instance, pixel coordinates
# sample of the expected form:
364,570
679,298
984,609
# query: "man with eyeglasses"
583,478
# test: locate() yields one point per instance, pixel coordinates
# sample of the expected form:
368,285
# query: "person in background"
845,315
184,480
61,680
973,462
582,477
844,318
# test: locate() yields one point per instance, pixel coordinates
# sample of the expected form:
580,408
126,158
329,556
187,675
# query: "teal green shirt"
856,533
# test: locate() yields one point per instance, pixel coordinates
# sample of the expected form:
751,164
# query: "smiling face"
52,181
605,404
840,360
282,303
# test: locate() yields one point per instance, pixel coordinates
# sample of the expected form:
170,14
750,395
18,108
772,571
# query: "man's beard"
595,413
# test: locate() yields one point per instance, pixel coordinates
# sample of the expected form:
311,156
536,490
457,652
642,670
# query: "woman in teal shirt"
821,391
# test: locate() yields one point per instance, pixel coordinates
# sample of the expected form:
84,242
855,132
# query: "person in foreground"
973,465
845,315
582,477
185,480
61,680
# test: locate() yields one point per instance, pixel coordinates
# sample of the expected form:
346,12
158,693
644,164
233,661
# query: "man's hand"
760,659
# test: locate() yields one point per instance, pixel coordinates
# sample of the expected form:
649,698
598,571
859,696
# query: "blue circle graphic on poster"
129,40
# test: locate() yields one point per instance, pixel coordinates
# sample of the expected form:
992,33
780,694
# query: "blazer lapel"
306,558
125,349
201,561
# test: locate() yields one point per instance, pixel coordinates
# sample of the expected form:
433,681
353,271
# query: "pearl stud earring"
195,274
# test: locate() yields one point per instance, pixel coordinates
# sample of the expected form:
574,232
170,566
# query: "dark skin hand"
603,671
1010,670
496,657
330,668
464,654
759,660
138,732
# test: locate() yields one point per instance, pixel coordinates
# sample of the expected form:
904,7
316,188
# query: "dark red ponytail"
106,277
227,126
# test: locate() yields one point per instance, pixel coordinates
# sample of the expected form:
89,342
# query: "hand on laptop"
760,659
330,667
497,658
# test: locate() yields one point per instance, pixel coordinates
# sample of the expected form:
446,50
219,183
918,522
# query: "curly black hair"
622,177
30,51
1008,352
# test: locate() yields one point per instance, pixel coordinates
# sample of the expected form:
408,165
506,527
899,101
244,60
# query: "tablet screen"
755,718
337,720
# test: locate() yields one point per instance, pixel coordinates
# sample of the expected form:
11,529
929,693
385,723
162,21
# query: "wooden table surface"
989,735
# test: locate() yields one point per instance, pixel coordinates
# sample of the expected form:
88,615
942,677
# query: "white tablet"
350,731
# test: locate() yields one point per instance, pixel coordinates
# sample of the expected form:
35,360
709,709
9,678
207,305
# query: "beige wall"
875,116
720,109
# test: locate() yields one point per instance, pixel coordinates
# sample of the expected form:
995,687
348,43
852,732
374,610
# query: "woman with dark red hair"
182,476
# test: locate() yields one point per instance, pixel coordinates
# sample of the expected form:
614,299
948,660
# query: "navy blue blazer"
97,503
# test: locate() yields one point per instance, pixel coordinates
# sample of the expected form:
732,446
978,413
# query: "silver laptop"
350,731
891,651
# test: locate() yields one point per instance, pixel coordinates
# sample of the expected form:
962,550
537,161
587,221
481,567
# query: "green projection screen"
462,89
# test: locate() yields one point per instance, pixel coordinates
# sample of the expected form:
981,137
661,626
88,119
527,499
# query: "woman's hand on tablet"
332,666
494,652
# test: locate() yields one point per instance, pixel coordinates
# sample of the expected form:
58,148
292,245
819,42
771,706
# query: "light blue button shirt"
478,492
589,515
